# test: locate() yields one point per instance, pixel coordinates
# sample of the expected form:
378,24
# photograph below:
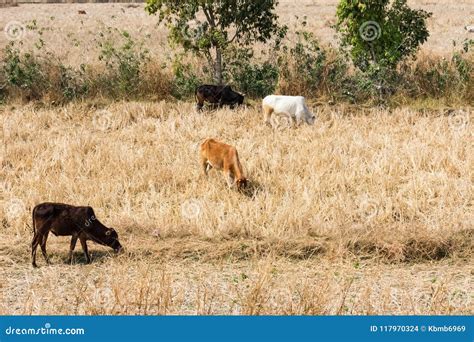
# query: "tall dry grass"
366,206
370,211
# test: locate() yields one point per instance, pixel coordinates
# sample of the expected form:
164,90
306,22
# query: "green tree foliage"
380,32
209,27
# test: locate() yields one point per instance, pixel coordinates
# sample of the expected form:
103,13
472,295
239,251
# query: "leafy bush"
72,82
438,78
380,32
23,72
123,62
185,80
302,64
254,78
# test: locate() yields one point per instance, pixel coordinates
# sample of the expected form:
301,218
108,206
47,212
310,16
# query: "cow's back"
285,104
62,218
216,152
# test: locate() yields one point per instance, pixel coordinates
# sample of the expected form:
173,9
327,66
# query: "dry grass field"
362,213
369,211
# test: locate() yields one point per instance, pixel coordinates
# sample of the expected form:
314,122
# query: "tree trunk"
218,67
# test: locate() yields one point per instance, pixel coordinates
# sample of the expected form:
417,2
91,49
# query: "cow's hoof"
35,266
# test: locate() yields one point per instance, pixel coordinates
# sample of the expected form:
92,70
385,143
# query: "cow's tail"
33,218
198,105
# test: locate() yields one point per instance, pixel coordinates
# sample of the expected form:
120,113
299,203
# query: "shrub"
185,80
437,78
23,72
72,83
302,64
254,78
380,32
123,62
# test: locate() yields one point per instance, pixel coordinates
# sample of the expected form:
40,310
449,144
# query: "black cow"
219,95
65,220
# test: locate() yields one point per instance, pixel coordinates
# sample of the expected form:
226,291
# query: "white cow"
294,107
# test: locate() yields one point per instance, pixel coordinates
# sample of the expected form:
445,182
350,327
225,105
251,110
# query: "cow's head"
111,239
241,183
310,118
240,99
230,97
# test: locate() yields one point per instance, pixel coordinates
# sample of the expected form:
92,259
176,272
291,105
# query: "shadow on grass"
252,189
96,257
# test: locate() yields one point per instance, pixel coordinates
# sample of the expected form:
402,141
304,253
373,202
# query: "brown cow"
220,156
81,12
67,220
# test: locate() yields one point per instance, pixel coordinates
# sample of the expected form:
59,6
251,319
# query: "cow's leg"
43,246
71,248
199,102
34,245
230,179
294,121
206,166
229,176
299,118
267,113
84,248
